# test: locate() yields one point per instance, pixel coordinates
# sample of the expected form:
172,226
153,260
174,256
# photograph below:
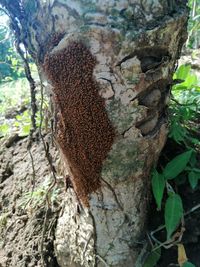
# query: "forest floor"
26,222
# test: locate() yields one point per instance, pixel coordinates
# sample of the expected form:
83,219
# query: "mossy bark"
131,51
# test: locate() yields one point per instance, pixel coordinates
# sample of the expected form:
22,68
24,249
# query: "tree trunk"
110,66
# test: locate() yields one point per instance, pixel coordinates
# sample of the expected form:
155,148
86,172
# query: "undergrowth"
184,113
15,108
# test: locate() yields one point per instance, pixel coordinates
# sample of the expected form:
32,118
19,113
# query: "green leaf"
193,178
195,140
158,185
193,159
177,131
173,213
152,258
188,264
177,165
190,80
19,117
4,129
25,130
182,72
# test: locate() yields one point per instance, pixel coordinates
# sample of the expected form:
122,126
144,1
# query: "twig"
192,209
45,145
51,226
150,241
102,260
114,194
171,242
140,259
184,105
32,180
5,11
42,238
31,83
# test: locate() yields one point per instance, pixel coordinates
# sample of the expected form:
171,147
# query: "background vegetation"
179,163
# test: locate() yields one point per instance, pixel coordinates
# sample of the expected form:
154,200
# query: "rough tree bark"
110,66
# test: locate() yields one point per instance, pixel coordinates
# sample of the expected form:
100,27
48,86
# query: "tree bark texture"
110,66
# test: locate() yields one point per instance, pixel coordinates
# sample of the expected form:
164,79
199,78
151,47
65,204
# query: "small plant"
15,108
14,98
184,112
182,130
160,182
38,196
185,107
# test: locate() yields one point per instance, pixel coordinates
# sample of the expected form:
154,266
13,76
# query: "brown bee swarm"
84,131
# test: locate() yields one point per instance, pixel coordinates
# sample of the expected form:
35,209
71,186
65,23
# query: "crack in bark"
94,237
114,194
124,132
105,79
96,24
111,84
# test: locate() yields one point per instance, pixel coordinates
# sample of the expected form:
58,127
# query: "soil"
26,222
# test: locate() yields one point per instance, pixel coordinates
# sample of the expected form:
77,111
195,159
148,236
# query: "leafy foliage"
173,213
38,196
15,108
11,67
173,206
185,109
14,98
177,165
158,186
193,178
152,258
182,118
184,113
194,24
